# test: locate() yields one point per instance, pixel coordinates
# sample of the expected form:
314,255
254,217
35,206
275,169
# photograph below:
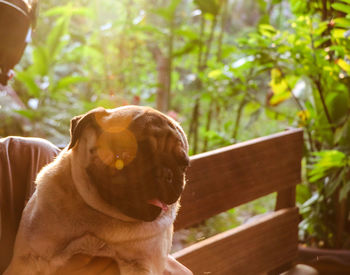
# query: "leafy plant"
309,67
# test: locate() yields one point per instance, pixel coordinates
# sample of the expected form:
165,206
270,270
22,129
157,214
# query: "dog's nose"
164,175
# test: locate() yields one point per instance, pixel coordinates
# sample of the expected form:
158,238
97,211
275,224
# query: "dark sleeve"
20,161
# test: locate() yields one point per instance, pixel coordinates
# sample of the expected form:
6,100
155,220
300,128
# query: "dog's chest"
146,255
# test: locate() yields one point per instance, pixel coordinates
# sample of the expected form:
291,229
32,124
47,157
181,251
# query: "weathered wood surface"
225,178
252,248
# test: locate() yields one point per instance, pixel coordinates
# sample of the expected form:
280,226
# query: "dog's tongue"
158,203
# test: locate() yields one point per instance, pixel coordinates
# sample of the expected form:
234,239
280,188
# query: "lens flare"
117,149
119,164
117,144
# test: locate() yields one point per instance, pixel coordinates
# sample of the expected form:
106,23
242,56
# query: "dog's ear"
79,123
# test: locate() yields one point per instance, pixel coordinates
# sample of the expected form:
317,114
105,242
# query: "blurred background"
227,70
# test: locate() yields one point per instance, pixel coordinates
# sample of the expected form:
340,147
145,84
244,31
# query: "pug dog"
112,192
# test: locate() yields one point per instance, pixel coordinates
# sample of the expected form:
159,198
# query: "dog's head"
133,158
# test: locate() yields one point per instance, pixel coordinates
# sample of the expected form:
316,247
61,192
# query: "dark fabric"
20,161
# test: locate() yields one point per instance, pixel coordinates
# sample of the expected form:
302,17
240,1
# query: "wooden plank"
286,198
225,178
253,248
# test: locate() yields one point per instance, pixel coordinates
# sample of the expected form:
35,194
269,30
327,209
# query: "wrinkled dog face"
138,161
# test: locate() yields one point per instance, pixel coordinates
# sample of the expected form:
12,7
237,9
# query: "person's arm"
20,161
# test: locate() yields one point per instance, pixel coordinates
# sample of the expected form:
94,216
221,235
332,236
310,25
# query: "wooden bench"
228,177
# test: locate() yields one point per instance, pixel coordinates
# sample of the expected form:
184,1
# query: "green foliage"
309,65
327,160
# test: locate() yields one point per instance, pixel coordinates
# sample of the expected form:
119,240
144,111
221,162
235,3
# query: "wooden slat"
253,248
286,198
225,178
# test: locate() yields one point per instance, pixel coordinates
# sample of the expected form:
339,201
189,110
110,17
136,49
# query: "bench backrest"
228,177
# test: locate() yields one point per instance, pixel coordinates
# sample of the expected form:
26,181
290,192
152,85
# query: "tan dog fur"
66,215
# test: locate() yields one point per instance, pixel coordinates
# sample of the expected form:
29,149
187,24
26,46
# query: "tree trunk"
164,81
163,90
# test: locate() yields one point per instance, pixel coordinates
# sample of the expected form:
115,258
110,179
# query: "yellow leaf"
215,73
344,65
279,86
304,116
